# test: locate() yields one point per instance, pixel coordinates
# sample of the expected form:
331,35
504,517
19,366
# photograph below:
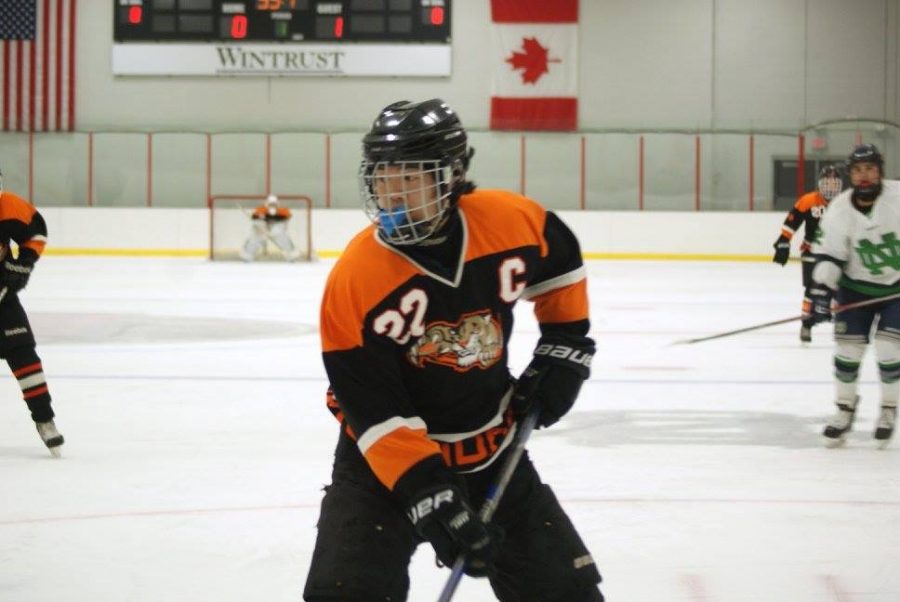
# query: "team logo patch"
475,341
878,257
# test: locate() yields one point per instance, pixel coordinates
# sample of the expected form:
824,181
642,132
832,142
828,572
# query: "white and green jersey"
867,247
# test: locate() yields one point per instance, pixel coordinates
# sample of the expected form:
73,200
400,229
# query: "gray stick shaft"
837,310
492,499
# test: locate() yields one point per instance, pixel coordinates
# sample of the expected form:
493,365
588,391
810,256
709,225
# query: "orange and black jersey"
807,211
261,213
20,222
417,357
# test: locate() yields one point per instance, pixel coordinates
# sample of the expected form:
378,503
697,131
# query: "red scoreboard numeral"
437,15
239,27
339,27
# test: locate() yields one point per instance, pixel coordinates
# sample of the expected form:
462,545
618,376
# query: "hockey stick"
836,310
492,499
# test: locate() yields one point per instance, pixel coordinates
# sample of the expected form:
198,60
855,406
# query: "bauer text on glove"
553,379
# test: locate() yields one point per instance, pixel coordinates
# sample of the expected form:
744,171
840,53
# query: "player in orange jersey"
415,324
269,223
807,211
21,223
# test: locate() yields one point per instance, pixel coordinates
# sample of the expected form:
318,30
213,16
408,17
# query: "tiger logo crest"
476,341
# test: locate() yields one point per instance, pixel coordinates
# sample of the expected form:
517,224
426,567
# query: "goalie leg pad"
363,547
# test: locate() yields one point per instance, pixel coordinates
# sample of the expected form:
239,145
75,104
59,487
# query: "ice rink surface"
191,396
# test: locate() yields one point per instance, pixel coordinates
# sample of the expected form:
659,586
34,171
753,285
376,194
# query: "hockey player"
857,250
21,223
807,211
269,223
415,324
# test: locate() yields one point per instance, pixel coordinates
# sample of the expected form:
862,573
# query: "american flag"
37,58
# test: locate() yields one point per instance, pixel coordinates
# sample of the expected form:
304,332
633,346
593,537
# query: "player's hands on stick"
16,272
821,297
442,515
554,377
782,250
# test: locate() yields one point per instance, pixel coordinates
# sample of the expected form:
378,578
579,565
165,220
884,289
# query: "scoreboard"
282,20
282,37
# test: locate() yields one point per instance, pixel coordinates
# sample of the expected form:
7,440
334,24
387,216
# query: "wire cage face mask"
830,187
406,200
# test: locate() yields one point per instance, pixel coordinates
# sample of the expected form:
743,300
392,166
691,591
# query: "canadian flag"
535,65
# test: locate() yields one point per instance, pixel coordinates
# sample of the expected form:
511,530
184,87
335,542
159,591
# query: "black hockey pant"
365,542
807,268
17,347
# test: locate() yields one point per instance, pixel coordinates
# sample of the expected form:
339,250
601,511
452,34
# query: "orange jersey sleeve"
806,211
22,223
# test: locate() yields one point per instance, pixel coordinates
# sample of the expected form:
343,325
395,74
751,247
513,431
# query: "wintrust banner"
535,65
282,59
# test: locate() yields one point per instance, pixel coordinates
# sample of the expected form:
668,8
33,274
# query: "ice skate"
805,334
884,428
51,437
840,424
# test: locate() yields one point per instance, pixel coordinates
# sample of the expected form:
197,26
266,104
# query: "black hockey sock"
26,367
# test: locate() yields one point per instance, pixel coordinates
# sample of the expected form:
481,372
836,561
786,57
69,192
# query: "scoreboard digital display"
274,21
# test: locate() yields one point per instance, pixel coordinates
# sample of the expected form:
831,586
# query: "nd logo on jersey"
878,257
475,341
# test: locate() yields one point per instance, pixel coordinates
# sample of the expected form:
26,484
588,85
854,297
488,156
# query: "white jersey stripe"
562,281
379,431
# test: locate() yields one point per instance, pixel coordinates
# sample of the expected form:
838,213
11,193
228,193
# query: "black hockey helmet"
425,145
830,182
866,153
829,171
410,131
864,195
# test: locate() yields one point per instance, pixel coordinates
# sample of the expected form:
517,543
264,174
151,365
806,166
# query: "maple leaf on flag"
533,61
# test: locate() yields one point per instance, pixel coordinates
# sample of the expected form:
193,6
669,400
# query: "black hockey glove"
553,379
16,272
443,517
821,296
782,250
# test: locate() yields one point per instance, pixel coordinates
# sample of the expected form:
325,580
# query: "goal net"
235,236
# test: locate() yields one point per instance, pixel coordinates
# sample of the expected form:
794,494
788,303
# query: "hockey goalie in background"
269,224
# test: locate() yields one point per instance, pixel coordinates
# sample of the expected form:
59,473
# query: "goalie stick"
492,499
836,310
